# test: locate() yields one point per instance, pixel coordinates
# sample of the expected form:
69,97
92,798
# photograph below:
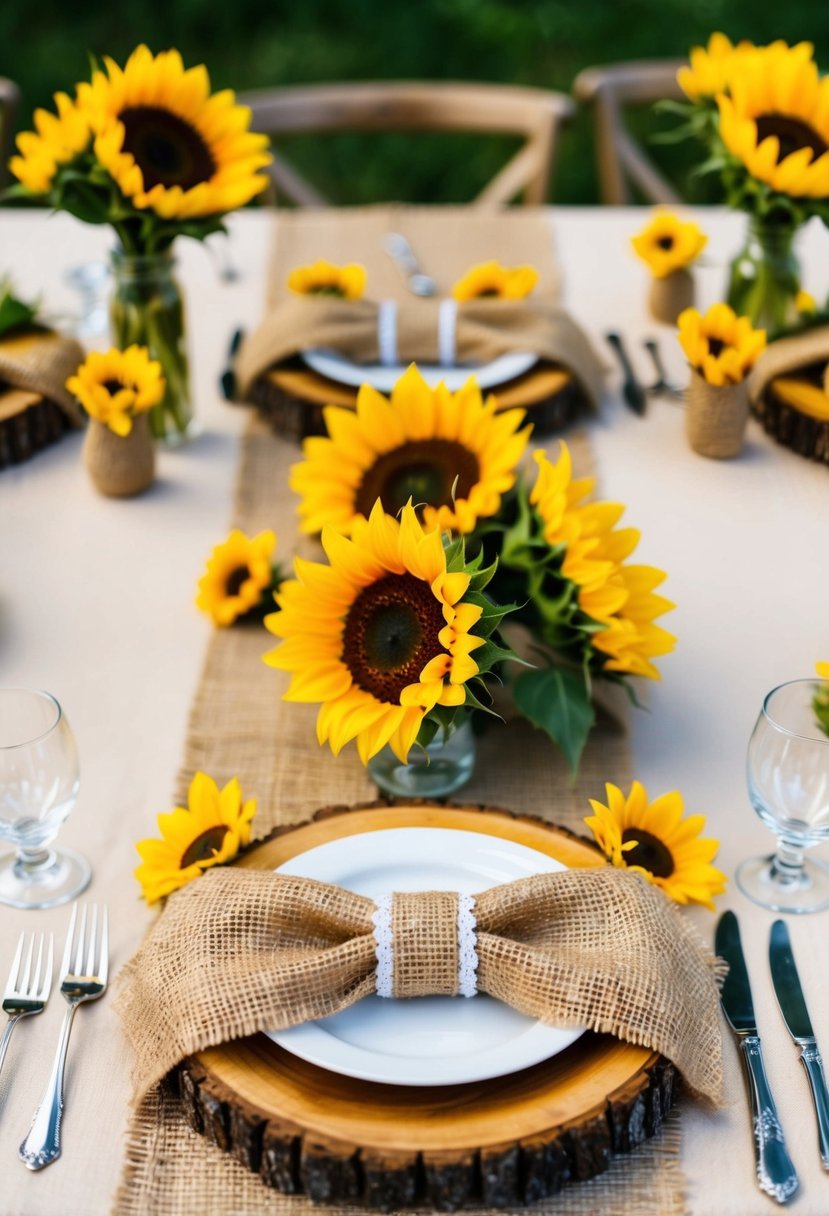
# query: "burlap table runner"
448,241
239,726
41,361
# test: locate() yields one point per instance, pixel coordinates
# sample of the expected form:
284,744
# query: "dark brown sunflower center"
423,470
792,133
716,346
650,853
327,289
488,293
167,149
233,582
391,633
666,242
204,847
112,386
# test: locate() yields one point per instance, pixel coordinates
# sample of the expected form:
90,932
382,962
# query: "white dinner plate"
427,1040
334,366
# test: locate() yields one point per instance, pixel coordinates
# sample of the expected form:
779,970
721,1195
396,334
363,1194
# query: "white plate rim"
333,365
313,1043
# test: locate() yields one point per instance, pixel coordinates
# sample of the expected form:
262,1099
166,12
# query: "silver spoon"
401,252
662,385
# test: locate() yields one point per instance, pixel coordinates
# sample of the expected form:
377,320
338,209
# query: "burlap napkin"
448,241
788,355
240,951
40,361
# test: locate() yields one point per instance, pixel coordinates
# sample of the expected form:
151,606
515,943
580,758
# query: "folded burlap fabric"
240,951
40,361
787,356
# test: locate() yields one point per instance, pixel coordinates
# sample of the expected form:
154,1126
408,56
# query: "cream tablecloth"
94,599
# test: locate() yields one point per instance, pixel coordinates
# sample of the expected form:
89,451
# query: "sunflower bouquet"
763,114
437,547
150,151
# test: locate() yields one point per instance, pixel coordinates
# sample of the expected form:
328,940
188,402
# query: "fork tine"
103,965
79,949
90,949
31,989
46,983
23,986
66,961
15,967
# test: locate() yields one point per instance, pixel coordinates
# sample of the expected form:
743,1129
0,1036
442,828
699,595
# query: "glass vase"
433,771
147,309
764,278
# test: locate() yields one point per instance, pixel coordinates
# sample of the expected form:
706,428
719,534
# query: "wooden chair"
622,162
9,102
534,114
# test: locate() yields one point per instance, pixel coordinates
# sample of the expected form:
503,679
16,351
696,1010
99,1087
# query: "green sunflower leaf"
482,577
557,701
492,614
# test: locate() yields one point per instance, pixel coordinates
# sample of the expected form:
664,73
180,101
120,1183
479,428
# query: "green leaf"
556,700
14,313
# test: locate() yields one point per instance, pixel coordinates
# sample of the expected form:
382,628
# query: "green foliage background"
250,44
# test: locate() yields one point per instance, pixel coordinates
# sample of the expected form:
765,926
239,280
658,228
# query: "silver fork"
27,991
80,981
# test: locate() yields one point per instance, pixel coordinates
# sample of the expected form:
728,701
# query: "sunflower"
323,278
56,140
239,571
208,832
169,144
381,636
668,243
115,386
620,598
452,454
721,346
775,119
711,67
654,840
491,280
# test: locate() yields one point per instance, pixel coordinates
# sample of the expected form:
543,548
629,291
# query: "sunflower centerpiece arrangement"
763,114
399,636
149,150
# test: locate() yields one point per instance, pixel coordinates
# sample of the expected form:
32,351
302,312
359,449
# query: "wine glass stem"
31,862
787,865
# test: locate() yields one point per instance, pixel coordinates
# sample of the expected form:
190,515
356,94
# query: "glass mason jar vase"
147,309
433,771
764,278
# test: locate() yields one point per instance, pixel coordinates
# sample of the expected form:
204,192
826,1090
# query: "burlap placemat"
239,726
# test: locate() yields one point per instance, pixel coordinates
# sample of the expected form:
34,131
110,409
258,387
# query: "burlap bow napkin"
239,951
787,356
40,361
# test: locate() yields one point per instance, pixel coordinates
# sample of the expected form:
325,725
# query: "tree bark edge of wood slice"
265,1107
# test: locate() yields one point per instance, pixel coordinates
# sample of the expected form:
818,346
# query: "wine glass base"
57,883
807,892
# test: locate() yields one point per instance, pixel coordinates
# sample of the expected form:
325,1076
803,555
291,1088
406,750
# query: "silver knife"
796,1016
775,1171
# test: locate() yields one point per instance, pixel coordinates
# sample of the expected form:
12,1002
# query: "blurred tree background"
250,44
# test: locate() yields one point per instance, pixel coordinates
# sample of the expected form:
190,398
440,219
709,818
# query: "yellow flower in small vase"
721,348
238,576
208,832
117,389
668,245
653,839
453,454
323,278
492,281
56,140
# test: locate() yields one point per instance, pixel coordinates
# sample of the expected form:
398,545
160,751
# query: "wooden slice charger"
502,1142
28,423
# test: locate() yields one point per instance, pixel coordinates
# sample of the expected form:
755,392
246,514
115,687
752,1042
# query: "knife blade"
776,1175
792,1004
632,390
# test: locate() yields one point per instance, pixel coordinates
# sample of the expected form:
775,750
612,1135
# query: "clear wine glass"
39,781
788,782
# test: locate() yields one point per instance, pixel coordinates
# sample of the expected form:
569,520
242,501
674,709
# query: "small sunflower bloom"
56,140
654,840
805,303
115,386
323,278
453,454
238,574
380,636
209,831
721,346
667,243
491,280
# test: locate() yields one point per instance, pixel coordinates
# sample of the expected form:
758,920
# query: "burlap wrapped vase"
716,417
120,465
671,295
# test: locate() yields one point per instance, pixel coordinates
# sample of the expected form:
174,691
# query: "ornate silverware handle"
811,1059
775,1170
42,1145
